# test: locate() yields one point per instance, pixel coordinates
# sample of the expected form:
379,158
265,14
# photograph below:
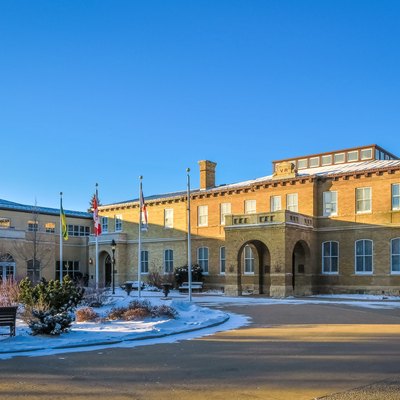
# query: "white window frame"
104,224
222,260
363,256
248,260
330,204
225,209
364,203
327,258
203,258
118,223
292,202
168,218
202,216
33,226
168,261
250,206
144,262
275,203
393,254
396,196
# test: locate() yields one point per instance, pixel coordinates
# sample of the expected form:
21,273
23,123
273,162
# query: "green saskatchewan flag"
64,224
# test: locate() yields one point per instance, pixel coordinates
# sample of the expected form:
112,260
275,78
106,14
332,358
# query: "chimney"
207,174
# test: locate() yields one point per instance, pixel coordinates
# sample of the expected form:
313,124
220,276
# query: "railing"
108,237
12,233
277,217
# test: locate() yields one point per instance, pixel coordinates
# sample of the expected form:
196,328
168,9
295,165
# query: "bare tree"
35,250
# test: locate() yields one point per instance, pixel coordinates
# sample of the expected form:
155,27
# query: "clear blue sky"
105,91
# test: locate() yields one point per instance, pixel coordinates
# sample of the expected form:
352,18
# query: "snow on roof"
319,171
9,205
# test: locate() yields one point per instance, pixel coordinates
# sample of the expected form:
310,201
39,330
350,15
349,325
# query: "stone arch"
257,281
105,270
301,268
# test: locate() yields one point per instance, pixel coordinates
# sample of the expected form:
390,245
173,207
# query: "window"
338,158
222,260
364,256
33,226
363,200
78,230
33,270
248,260
276,204
327,160
249,206
366,154
330,257
330,203
70,268
5,223
168,261
225,210
314,162
50,227
395,256
301,164
396,196
202,215
118,223
169,218
291,202
202,258
104,224
144,262
352,155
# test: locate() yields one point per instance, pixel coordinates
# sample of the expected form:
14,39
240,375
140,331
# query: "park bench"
196,287
8,316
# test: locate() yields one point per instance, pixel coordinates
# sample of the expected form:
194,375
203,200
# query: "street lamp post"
113,247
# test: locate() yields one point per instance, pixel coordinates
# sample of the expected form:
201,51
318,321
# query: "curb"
113,342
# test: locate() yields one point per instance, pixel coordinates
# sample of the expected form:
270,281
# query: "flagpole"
97,245
140,236
61,240
189,238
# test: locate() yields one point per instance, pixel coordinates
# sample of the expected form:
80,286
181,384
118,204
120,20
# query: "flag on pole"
143,213
96,217
64,229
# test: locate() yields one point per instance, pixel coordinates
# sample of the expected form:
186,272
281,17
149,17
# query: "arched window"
395,256
7,266
248,260
363,256
330,257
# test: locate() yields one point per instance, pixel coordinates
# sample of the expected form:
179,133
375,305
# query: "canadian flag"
143,213
96,218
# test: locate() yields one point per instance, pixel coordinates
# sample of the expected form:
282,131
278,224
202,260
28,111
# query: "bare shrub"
154,278
163,311
116,313
94,297
134,314
9,292
140,304
86,314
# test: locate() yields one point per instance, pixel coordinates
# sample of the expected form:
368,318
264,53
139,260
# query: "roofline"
337,151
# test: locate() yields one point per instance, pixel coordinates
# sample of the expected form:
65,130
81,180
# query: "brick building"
321,223
318,224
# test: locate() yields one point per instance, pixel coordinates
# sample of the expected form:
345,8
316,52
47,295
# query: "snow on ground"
194,320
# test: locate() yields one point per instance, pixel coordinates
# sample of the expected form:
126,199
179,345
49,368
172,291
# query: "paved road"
291,352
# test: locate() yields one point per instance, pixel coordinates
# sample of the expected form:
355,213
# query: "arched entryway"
108,270
300,268
7,266
254,262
